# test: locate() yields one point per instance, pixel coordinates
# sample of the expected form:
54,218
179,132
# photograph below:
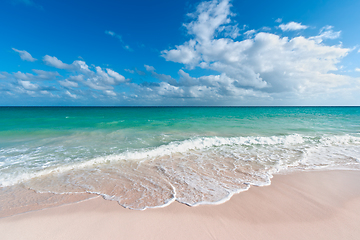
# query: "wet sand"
302,205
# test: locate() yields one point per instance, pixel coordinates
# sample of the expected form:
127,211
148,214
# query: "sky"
179,53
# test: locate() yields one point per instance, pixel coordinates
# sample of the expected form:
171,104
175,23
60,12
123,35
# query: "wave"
307,144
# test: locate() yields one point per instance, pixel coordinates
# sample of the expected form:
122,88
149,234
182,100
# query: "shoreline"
311,204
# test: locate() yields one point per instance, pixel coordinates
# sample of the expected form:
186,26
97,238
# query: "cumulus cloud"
29,86
262,67
40,84
23,76
292,26
24,55
357,69
218,86
54,62
95,78
118,78
183,54
210,19
265,63
77,65
279,20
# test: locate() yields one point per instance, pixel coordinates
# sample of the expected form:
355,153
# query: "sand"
303,205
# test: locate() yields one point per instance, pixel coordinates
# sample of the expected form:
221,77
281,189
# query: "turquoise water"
148,157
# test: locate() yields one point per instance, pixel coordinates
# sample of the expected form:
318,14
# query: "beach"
172,120
180,173
300,205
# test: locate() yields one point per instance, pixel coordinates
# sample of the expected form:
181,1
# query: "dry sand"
305,205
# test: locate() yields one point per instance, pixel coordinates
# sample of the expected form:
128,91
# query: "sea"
147,157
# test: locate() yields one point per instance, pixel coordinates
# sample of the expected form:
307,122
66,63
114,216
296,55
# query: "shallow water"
149,157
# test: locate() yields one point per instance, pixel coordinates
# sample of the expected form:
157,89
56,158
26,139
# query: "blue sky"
216,52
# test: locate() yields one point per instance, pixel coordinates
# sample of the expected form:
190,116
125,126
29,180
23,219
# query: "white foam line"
112,198
182,147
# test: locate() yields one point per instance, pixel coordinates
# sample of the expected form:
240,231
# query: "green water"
226,121
43,142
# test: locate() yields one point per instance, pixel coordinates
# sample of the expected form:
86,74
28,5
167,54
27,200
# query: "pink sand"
305,205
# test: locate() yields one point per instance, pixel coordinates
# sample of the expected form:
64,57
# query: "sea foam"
200,170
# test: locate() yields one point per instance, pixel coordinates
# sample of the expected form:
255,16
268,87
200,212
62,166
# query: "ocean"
146,157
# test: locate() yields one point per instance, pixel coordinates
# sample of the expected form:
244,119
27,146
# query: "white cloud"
23,76
357,69
279,20
183,54
97,85
77,78
264,64
81,66
23,83
110,93
266,29
68,84
211,86
93,77
113,34
250,32
82,81
97,79
326,33
141,73
71,95
24,55
292,26
263,67
230,31
119,78
28,85
45,75
45,92
209,19
41,75
54,62
77,65
149,68
162,77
